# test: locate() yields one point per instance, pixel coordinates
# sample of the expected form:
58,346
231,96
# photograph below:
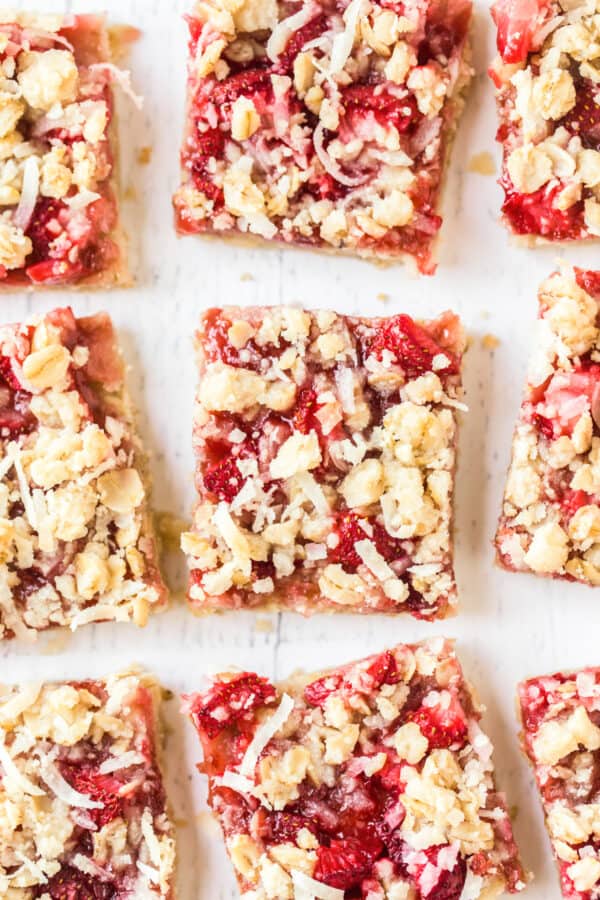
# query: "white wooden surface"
510,626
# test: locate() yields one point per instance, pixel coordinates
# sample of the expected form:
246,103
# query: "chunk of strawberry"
224,479
450,883
543,425
412,346
72,884
387,109
443,728
45,226
350,528
298,39
55,272
572,500
379,670
567,397
345,863
306,409
247,83
536,214
229,702
207,144
102,788
589,281
283,827
7,373
584,118
516,21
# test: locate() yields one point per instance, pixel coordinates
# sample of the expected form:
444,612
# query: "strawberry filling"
517,22
350,528
536,213
413,347
567,397
231,702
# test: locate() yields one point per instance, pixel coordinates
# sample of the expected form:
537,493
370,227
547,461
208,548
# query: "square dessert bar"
83,811
323,124
372,780
59,223
561,737
325,462
76,541
550,522
548,102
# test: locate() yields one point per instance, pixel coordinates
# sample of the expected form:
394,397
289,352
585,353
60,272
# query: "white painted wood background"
509,627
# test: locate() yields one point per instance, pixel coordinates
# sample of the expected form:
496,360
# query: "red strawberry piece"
55,271
306,408
349,529
388,109
102,788
283,827
516,21
72,884
451,881
7,372
246,83
443,728
346,862
535,213
543,425
45,226
568,396
327,188
380,670
412,346
207,144
298,39
589,281
228,702
584,118
224,479
15,415
317,692
574,500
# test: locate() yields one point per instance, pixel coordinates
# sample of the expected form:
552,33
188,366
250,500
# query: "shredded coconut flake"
343,42
314,492
29,193
284,30
264,733
150,872
114,764
32,867
306,888
82,199
12,708
236,782
63,790
328,163
14,774
122,77
104,612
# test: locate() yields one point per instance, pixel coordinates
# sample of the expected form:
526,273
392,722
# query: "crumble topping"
59,215
561,721
326,452
81,798
547,92
322,125
550,522
76,544
378,781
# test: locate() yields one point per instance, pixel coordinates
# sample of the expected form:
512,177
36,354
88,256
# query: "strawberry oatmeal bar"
323,124
561,737
76,540
59,222
83,812
372,780
550,523
326,454
548,101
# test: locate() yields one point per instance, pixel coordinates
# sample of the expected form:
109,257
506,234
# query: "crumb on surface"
263,625
482,164
170,528
490,341
247,276
383,297
144,155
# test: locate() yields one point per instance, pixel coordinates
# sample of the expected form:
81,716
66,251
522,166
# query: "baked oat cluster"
76,543
58,219
561,736
550,523
323,124
549,107
373,780
82,804
326,451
